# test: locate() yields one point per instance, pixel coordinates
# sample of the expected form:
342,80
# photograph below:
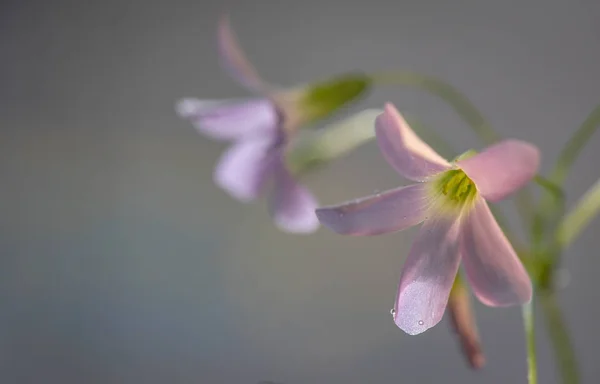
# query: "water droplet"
421,322
392,312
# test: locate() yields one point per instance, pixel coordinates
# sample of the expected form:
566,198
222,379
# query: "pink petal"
244,168
385,212
293,206
495,273
428,275
229,120
502,168
404,150
234,58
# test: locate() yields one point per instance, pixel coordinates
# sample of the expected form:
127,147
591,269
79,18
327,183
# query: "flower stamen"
457,188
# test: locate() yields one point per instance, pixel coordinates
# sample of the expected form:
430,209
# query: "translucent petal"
502,168
428,275
245,167
293,205
495,273
390,211
404,150
234,58
230,119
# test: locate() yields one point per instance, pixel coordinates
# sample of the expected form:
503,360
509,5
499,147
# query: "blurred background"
121,261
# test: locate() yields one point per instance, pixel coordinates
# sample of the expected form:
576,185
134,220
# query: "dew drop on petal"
393,312
421,322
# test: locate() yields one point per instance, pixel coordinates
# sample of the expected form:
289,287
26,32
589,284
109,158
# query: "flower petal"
244,168
230,119
390,211
234,58
428,275
495,273
502,168
404,150
293,206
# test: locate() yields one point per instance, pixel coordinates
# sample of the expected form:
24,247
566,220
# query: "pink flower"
450,201
260,129
258,135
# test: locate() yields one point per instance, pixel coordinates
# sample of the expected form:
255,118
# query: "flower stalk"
559,337
528,322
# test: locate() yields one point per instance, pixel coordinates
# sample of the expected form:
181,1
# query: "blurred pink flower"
259,129
450,201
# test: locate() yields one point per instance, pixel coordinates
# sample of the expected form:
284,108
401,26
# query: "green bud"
335,140
324,98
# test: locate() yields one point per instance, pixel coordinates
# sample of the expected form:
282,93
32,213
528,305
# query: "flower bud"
321,99
463,323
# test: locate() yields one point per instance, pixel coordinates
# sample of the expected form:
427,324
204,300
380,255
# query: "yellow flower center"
454,190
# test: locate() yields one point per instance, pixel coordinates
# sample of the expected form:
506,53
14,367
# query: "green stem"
574,222
446,92
528,322
541,216
559,336
574,146
565,161
525,204
465,109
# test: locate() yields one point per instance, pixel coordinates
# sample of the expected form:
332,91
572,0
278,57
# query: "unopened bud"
324,98
463,324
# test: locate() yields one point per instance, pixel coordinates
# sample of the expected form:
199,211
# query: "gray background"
121,262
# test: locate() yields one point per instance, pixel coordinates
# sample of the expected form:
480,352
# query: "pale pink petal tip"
414,315
229,120
293,205
495,273
502,168
404,150
188,108
385,212
427,276
234,58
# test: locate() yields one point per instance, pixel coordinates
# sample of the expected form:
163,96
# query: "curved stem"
463,107
530,341
565,161
559,336
574,146
541,216
574,222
